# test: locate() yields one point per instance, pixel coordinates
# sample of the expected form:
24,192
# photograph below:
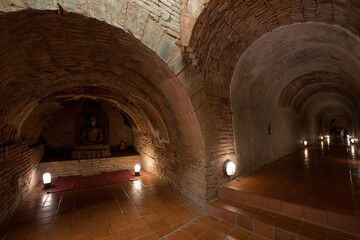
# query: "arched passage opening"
293,78
50,60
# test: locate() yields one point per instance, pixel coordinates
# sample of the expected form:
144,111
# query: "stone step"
271,224
320,214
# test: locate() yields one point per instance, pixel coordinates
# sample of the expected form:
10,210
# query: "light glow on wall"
305,143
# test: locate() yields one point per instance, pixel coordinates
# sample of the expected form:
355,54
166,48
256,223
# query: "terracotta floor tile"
173,219
186,215
109,237
80,228
163,232
80,221
343,222
100,232
153,218
263,225
226,193
124,235
176,226
61,225
273,204
256,200
119,227
206,222
193,229
35,230
59,235
257,237
180,235
236,235
132,215
293,209
158,225
117,219
214,210
341,234
36,236
229,216
147,211
309,233
221,229
209,235
81,236
97,223
149,237
141,230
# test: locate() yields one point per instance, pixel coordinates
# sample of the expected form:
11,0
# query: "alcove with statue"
86,133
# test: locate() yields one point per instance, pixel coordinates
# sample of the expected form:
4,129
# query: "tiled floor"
323,175
319,184
142,209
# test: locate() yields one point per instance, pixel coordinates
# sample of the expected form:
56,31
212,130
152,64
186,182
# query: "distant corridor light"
305,143
322,138
352,140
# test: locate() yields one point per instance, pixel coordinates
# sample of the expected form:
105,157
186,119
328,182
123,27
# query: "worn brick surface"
89,166
19,173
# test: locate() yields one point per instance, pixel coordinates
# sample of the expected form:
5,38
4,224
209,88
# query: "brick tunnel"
182,88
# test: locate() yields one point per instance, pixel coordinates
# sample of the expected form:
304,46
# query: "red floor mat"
77,182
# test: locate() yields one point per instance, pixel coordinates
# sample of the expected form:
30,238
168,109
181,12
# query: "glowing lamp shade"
352,140
47,180
230,168
305,143
322,138
137,170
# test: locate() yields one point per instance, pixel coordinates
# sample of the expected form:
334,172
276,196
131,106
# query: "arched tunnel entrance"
51,62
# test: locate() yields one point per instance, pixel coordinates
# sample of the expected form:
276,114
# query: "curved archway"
50,58
292,79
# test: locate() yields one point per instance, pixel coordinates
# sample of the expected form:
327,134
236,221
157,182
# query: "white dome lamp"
47,180
137,170
229,168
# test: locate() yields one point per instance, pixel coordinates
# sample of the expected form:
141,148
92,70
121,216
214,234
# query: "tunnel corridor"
188,90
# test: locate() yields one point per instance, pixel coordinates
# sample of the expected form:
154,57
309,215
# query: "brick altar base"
86,167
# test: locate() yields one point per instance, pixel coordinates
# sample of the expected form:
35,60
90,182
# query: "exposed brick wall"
184,171
89,166
19,173
156,23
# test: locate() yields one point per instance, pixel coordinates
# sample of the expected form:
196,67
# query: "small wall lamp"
305,143
47,180
229,168
137,170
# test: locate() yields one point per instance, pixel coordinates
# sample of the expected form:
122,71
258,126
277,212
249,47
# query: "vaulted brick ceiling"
48,57
226,30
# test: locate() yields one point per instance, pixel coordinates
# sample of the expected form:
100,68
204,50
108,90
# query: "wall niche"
64,128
